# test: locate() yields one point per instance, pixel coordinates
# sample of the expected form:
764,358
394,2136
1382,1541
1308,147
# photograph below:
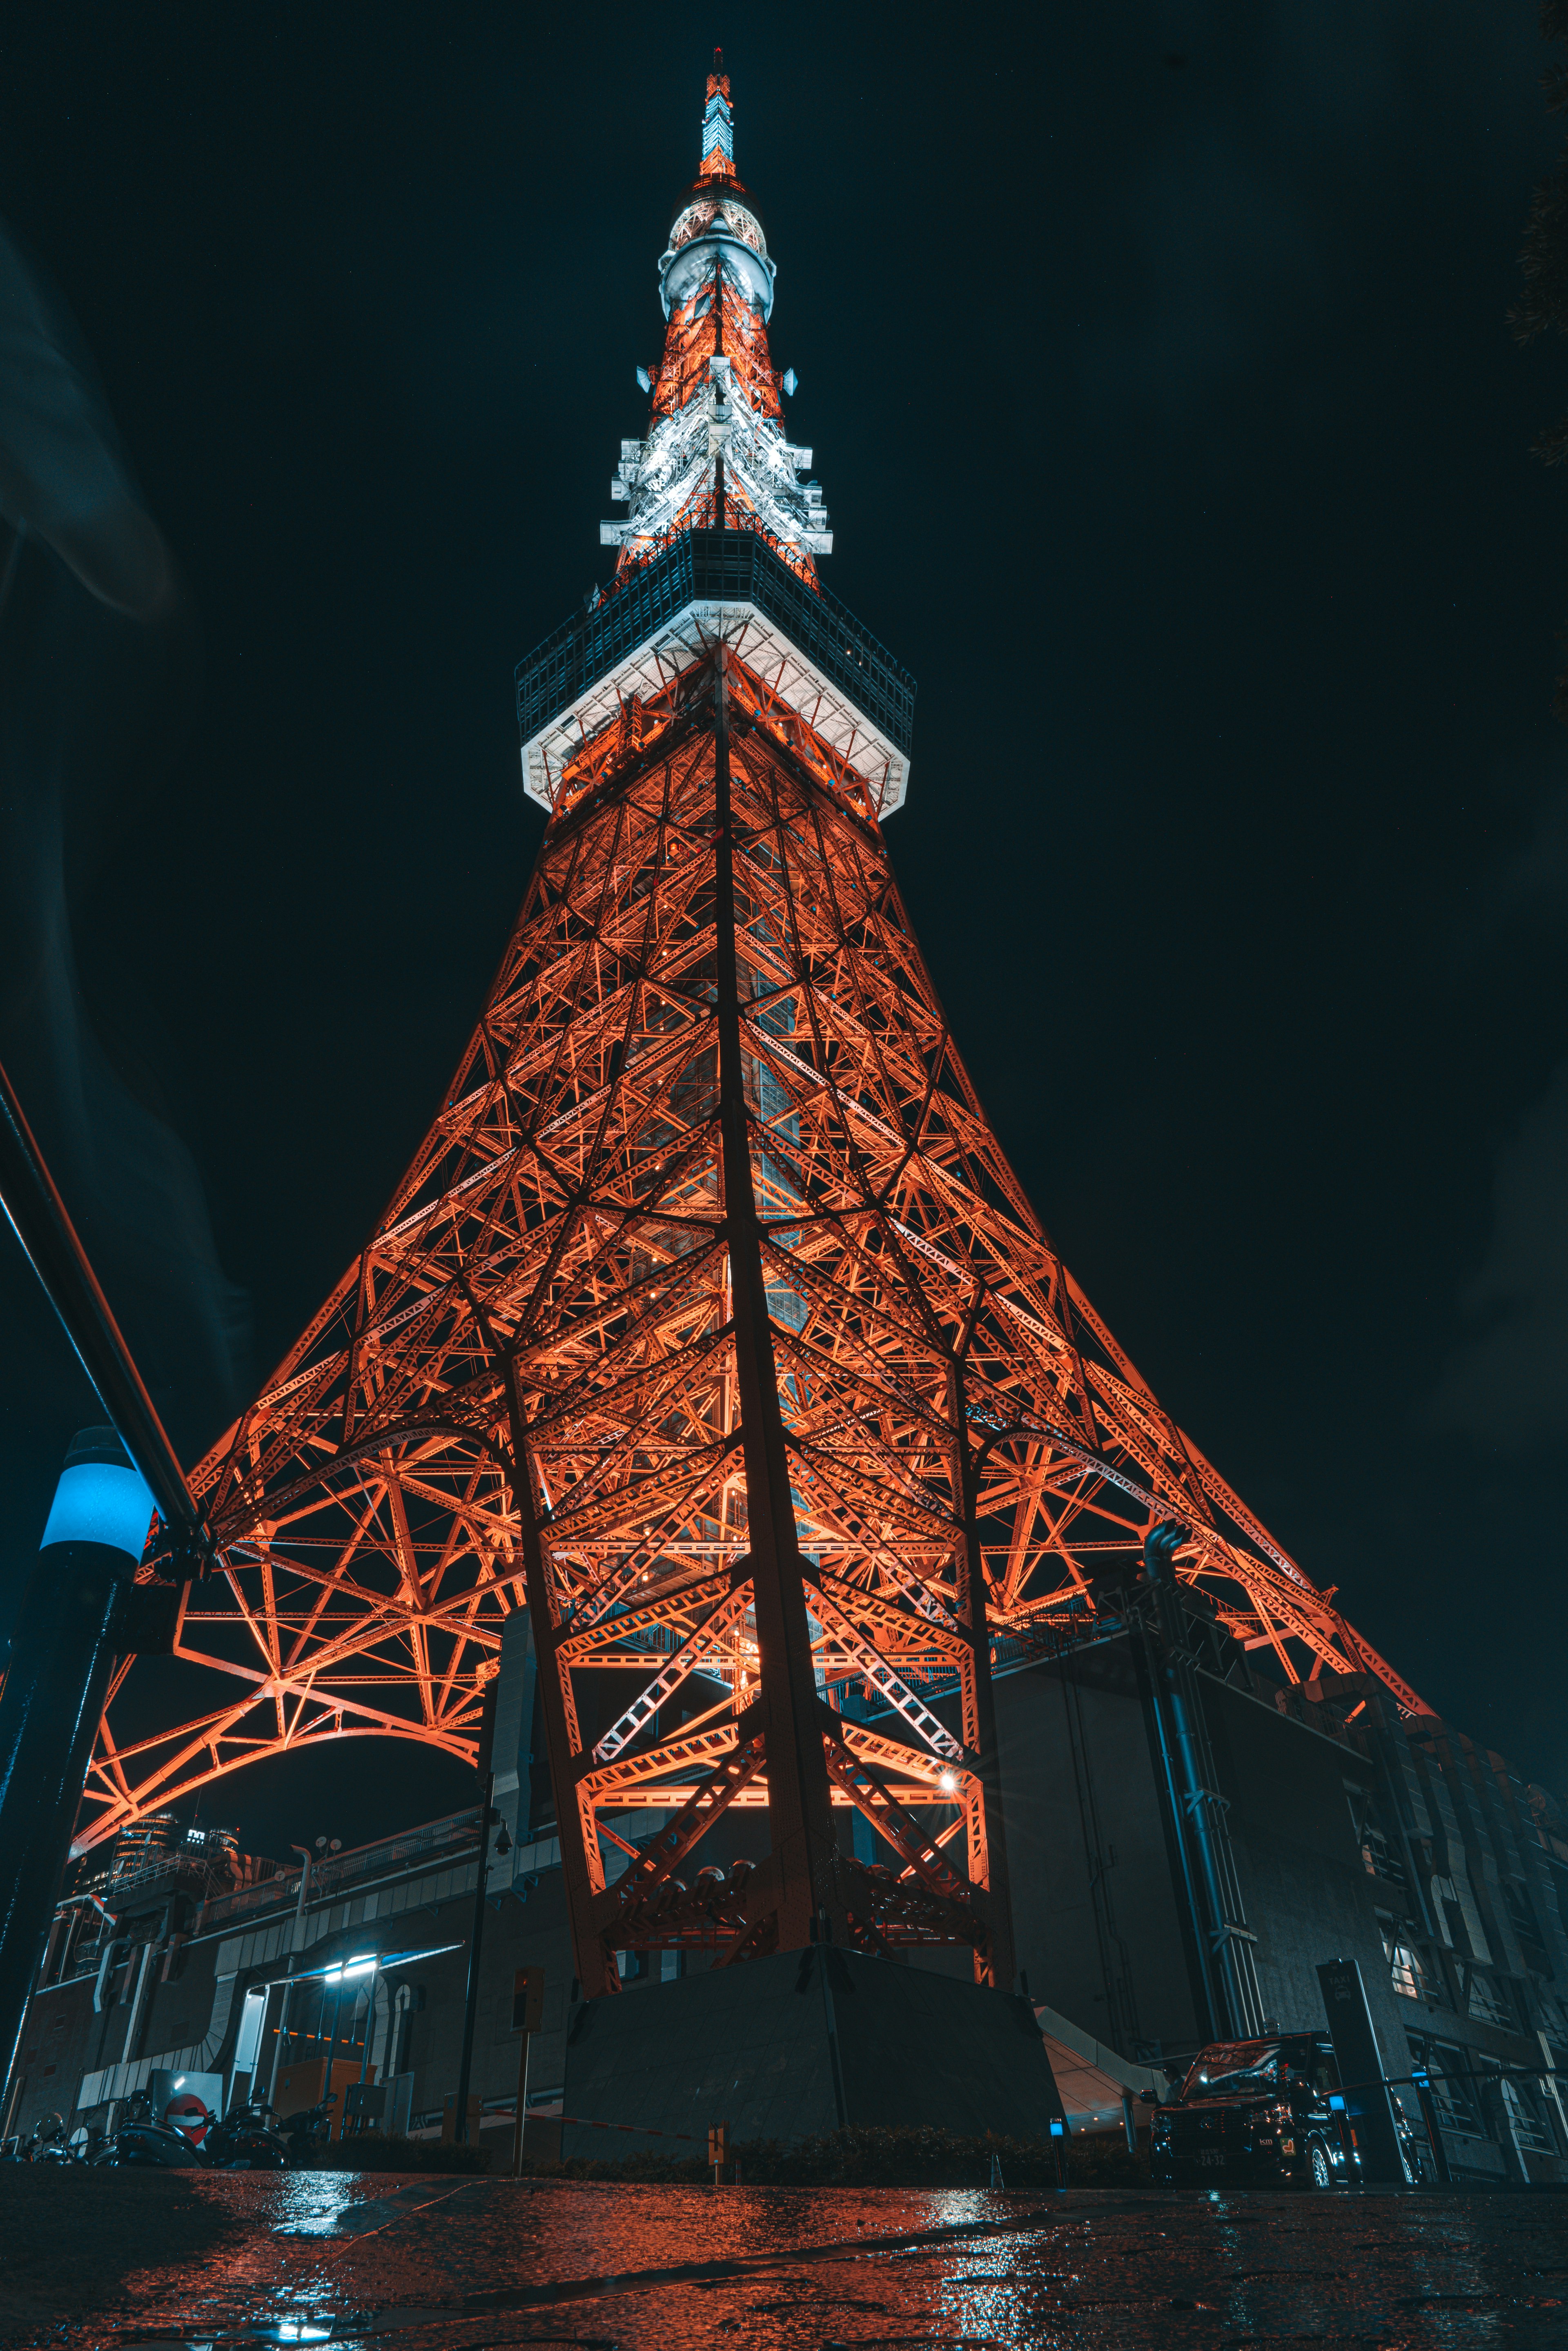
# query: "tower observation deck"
723,531
709,1323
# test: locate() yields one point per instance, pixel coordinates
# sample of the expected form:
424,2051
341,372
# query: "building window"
1489,2002
1526,2119
1517,1903
1453,2094
1405,1968
1379,1855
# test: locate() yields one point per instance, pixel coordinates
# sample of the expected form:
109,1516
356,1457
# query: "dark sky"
1156,366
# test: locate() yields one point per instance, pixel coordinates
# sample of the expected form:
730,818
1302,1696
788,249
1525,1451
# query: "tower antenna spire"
716,453
718,125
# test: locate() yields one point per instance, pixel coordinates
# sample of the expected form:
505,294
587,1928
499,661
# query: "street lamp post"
487,1815
285,2004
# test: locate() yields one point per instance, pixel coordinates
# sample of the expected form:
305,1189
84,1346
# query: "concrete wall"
1100,1928
1085,1834
1307,1895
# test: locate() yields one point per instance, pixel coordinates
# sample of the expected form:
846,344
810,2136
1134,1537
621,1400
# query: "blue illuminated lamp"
68,1630
790,381
1058,2126
100,1498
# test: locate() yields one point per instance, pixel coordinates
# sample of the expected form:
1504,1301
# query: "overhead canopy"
1092,2079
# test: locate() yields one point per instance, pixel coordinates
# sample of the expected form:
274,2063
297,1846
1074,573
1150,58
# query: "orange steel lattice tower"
710,1323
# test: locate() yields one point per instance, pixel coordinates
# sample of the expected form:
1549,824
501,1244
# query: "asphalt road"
90,2260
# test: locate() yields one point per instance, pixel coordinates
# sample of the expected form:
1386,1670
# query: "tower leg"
595,1966
804,1862
987,1838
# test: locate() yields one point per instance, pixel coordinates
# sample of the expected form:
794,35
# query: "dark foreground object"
1272,2113
254,2258
805,2042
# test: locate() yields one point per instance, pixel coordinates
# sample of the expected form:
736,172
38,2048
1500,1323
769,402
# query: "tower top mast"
718,125
716,456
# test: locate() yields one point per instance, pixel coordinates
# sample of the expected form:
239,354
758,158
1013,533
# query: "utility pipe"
1225,1941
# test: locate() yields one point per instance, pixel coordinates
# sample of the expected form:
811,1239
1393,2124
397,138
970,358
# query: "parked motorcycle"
309,2129
50,2142
246,2140
145,2142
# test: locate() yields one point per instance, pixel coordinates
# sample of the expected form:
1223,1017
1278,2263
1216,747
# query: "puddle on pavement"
483,2266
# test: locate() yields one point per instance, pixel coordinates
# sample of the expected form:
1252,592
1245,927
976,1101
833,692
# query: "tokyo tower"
709,1323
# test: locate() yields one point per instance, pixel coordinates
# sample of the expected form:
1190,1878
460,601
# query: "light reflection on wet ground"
438,2265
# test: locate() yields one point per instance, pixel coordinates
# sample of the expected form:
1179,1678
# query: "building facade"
1356,1833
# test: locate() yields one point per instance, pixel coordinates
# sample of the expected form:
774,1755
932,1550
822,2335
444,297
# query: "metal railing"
454,1834
715,566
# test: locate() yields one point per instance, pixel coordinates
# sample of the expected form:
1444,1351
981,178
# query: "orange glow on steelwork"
709,1322
701,328
723,1340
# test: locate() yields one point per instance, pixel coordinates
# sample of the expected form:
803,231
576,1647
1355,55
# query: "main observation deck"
655,621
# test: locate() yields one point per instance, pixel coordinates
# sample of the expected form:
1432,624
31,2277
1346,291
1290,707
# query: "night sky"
1156,365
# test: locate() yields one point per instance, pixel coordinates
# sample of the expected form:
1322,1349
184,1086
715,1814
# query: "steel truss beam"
710,1323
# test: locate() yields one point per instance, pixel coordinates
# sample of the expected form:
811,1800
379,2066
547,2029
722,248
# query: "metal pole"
520,2124
62,1654
471,2003
1428,2105
370,2022
67,1635
38,1218
298,1944
332,2048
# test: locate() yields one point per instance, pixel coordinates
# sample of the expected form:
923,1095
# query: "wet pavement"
435,2264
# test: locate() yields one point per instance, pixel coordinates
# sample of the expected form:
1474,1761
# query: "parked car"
1260,2114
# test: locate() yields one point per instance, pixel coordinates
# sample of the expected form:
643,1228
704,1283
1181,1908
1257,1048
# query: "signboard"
1360,2063
527,1999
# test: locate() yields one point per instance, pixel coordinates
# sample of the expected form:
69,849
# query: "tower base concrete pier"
809,2040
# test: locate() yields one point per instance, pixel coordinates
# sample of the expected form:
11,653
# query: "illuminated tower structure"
709,1322
716,453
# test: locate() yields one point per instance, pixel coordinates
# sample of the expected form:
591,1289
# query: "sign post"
718,2148
528,2014
1368,2112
